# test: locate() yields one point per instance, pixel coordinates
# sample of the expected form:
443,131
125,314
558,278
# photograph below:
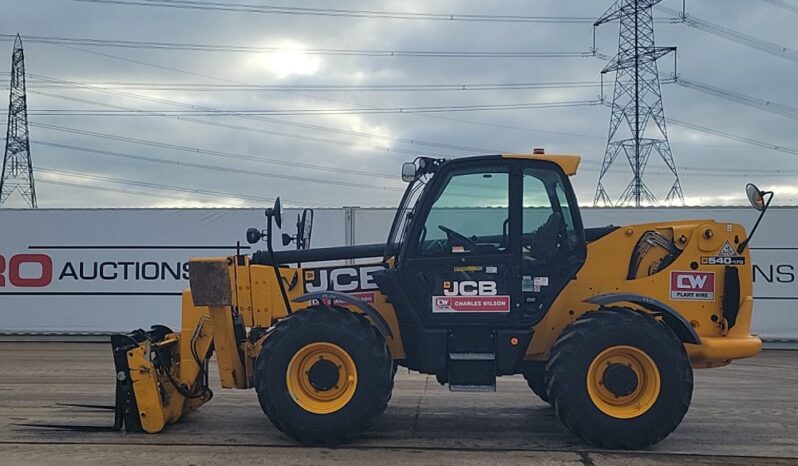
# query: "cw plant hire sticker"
692,286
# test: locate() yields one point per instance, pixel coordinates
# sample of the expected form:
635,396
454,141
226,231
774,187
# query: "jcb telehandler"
487,271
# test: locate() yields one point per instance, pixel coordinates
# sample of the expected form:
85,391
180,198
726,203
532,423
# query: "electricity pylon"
637,100
17,169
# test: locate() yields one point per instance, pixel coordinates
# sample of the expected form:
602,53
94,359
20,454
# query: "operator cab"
482,247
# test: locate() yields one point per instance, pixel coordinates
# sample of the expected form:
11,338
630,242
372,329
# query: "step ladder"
472,372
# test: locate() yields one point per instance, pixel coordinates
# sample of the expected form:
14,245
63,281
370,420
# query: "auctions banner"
119,269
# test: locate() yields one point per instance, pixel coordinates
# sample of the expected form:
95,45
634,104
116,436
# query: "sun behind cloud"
290,59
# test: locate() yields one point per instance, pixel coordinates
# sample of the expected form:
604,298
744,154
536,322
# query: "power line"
250,129
282,176
707,170
268,9
338,111
197,150
732,35
766,105
747,140
314,51
782,4
208,111
168,187
116,190
312,127
206,87
761,104
216,78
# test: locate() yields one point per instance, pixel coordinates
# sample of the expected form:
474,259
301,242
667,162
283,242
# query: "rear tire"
619,379
323,375
535,376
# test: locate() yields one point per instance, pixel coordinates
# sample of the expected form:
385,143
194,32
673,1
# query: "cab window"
469,216
548,226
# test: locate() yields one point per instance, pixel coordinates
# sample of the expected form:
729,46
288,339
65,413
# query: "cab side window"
547,221
469,216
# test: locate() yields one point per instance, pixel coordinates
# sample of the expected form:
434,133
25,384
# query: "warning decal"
727,250
693,286
470,304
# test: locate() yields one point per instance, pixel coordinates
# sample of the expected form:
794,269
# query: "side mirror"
755,197
408,172
253,235
758,202
276,212
305,228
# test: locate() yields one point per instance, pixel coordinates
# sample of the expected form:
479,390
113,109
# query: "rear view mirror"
758,201
408,172
755,197
305,228
276,212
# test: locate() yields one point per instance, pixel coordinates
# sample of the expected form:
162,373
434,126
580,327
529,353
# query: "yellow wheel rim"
321,377
623,382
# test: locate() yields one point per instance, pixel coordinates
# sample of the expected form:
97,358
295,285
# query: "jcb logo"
26,270
343,279
469,288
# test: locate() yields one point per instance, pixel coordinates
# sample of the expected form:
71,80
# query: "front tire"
619,379
322,376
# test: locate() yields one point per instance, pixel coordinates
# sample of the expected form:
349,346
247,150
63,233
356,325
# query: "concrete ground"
745,413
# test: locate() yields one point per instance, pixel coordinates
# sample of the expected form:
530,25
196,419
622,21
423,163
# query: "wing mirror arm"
273,216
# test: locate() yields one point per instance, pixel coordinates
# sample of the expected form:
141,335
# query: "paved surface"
745,413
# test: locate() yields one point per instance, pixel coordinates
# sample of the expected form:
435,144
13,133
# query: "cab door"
460,263
552,239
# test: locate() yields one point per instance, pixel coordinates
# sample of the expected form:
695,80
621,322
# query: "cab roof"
568,163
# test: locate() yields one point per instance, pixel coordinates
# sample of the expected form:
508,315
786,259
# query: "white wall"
112,269
151,244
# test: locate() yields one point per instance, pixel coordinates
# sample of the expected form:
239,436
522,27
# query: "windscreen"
404,213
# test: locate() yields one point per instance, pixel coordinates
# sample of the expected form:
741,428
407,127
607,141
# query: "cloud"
715,168
291,60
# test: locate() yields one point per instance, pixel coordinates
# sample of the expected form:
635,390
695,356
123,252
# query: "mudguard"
670,316
367,309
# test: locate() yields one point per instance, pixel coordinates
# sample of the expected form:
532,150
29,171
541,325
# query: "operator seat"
544,244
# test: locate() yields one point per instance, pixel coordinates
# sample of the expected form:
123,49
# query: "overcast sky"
299,150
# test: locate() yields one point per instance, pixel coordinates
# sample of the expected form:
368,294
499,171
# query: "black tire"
351,332
535,376
587,339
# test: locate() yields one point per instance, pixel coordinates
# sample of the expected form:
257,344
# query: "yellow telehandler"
487,271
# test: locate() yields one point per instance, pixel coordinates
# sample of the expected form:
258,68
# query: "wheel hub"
623,381
323,375
620,380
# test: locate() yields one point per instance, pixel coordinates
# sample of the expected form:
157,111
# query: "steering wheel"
453,235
